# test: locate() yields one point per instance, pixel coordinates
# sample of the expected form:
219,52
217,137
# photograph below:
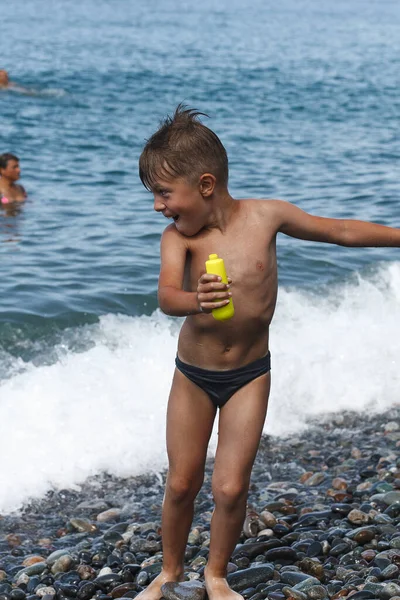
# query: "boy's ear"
207,184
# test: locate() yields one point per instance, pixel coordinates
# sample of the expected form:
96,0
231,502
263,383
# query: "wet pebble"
240,580
188,590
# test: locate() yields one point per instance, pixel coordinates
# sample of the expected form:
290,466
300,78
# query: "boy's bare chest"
247,254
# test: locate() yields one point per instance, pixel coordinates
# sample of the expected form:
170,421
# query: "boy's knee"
183,488
229,493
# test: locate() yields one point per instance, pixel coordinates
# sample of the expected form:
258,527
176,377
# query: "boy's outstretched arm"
293,221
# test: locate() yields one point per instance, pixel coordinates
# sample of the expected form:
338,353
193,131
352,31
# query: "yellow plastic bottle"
215,266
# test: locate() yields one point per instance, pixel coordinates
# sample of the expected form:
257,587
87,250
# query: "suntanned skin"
8,188
243,233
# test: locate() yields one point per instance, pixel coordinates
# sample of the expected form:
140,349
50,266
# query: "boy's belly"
210,344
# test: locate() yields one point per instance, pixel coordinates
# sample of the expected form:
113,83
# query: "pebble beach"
323,522
304,96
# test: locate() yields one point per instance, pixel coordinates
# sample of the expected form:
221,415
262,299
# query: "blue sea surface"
304,95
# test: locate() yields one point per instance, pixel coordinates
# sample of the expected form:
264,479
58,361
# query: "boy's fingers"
206,286
209,279
213,296
202,289
209,306
213,292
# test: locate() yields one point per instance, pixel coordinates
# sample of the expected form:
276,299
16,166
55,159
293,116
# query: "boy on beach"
10,172
221,366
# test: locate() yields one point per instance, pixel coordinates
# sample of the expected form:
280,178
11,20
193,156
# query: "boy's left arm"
293,221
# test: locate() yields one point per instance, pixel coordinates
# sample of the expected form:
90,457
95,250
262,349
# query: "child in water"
4,79
220,366
10,192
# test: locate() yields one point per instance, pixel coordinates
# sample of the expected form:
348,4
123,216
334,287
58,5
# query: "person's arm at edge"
173,300
296,223
23,190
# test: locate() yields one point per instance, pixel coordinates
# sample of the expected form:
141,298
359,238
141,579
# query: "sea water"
304,96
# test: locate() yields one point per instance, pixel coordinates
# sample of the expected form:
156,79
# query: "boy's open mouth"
176,218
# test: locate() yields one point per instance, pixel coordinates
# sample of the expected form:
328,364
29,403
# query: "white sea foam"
103,409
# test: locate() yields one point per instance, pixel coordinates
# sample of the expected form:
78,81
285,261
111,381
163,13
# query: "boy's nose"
158,205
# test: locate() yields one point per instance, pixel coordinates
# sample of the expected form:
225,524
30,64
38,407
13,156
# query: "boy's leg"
240,427
190,418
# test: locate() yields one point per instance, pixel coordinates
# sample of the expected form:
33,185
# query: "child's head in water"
4,81
183,164
9,167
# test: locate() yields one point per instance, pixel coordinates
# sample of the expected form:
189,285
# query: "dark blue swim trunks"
221,385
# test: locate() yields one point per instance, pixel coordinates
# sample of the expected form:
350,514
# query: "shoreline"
323,508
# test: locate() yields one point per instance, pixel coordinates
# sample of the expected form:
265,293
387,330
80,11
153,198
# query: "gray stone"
395,543
94,505
46,591
187,590
391,572
358,517
82,525
317,592
282,553
251,577
139,544
62,564
142,578
111,514
35,569
315,479
390,589
305,585
293,577
254,549
391,497
292,593
375,588
51,559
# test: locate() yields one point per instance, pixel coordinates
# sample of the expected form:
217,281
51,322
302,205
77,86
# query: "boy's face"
12,170
181,201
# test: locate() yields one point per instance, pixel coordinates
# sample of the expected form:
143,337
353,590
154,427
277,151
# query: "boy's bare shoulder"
171,232
270,210
171,235
270,205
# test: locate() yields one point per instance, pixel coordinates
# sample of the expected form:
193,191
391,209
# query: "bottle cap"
213,256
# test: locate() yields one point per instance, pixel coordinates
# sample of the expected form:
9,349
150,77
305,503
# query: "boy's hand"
212,292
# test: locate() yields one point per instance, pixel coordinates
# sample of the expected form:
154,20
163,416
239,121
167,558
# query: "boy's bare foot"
218,588
153,590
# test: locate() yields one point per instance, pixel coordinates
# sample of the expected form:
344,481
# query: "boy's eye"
163,193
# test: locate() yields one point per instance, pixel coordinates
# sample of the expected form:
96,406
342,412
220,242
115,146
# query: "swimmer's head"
4,81
9,166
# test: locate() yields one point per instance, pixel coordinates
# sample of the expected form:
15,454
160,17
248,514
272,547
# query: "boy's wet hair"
4,158
183,148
